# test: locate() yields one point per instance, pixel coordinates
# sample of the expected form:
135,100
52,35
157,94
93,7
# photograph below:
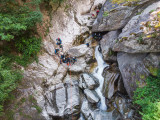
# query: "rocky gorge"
101,84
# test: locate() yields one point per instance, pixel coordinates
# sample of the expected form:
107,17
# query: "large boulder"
87,109
92,96
112,17
89,56
78,51
122,105
110,86
72,108
58,78
62,101
135,68
107,43
141,35
56,100
115,16
90,81
79,66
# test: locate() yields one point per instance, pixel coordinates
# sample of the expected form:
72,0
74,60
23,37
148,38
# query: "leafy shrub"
148,98
8,80
29,48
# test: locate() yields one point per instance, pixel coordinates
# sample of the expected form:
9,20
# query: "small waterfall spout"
98,74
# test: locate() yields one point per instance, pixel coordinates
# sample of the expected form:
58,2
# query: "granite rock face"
140,35
107,43
112,17
89,80
91,95
62,100
78,51
115,16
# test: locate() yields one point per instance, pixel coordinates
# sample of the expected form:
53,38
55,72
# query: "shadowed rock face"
135,68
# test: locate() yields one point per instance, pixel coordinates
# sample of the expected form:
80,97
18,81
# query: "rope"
71,92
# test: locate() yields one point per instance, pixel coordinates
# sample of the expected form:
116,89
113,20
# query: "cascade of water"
98,74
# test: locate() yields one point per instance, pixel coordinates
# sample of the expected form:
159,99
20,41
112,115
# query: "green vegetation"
152,11
34,102
18,29
8,80
105,14
148,97
122,1
140,39
19,42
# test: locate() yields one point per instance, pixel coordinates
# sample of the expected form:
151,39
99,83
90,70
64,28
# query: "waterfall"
98,74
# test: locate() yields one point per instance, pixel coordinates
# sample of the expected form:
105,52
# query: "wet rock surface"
110,86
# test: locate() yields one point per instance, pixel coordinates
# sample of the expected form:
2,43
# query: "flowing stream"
98,74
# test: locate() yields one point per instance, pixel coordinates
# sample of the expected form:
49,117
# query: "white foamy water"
98,74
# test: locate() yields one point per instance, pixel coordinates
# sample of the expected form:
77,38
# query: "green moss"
105,14
127,2
39,110
154,35
137,83
110,52
142,76
117,41
153,70
140,39
133,74
34,102
151,11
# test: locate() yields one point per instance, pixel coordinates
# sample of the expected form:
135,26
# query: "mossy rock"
153,70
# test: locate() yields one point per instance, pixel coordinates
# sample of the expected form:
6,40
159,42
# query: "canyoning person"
59,41
64,60
97,12
62,56
99,36
56,51
74,59
68,60
61,46
93,16
87,44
